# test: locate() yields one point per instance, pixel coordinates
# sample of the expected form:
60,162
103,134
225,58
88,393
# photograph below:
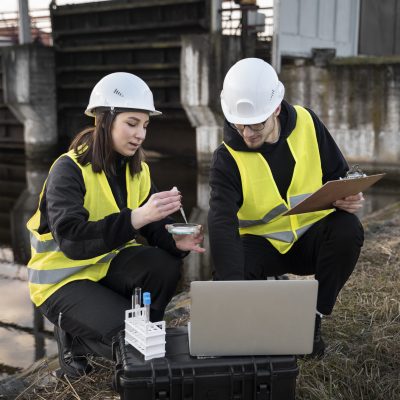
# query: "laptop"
267,317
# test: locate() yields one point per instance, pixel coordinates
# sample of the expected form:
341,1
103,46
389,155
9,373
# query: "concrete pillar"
205,60
276,50
25,207
215,18
30,92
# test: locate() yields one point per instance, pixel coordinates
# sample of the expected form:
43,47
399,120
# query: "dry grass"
44,384
363,336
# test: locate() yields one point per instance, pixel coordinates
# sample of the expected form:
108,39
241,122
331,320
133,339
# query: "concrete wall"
358,102
205,59
29,91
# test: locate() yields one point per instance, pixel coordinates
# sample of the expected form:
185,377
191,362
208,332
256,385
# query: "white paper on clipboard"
331,191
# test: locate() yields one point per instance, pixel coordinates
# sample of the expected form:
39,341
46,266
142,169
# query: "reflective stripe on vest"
263,205
59,274
269,216
294,200
288,237
273,213
43,246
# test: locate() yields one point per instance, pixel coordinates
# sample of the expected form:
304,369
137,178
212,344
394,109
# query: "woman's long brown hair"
94,145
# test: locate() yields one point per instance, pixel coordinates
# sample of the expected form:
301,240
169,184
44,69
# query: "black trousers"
93,312
329,249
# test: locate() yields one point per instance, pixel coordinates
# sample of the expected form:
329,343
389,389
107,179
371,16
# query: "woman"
85,262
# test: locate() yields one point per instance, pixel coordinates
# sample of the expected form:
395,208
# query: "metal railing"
257,20
40,27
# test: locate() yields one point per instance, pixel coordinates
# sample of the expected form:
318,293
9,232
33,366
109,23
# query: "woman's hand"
190,242
159,206
350,204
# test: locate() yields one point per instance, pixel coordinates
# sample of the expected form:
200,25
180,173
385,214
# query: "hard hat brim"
261,117
234,119
91,112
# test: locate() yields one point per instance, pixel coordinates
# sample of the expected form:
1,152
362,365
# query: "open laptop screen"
268,317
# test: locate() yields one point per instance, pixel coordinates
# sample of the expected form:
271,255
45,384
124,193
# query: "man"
273,155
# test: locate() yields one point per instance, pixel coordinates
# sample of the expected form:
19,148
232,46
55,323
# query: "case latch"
262,392
162,395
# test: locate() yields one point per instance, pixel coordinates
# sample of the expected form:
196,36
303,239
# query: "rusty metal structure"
253,23
40,27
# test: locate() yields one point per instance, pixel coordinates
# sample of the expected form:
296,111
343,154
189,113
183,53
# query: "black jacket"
226,186
63,214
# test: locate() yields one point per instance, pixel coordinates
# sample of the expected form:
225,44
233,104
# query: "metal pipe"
24,28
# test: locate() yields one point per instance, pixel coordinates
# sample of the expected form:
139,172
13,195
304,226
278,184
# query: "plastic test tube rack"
145,336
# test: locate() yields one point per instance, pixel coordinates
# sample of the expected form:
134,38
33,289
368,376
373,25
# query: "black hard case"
178,376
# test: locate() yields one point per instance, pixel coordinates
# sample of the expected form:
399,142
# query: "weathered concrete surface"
29,90
25,207
204,61
359,103
358,99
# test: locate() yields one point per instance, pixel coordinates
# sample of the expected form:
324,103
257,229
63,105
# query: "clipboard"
331,191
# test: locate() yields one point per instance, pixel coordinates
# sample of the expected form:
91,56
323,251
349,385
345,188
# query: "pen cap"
146,298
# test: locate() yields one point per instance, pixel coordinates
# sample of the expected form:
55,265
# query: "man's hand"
350,204
190,242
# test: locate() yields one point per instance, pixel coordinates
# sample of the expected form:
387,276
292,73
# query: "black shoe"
319,344
277,278
72,366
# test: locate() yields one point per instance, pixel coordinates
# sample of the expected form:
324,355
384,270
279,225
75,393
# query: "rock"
178,310
14,385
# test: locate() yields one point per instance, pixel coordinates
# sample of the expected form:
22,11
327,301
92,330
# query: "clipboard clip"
354,172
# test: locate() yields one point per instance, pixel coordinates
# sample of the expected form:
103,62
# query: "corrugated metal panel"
306,24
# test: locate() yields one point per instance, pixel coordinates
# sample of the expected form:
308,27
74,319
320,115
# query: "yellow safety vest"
260,213
49,268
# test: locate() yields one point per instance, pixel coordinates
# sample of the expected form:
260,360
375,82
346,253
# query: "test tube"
146,303
138,296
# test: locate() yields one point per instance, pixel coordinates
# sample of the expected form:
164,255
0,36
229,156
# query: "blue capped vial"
146,303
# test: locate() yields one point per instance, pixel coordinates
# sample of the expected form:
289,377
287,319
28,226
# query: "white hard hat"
251,92
121,90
